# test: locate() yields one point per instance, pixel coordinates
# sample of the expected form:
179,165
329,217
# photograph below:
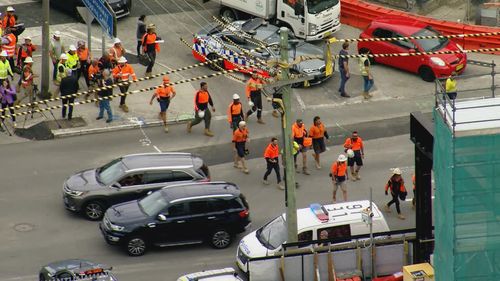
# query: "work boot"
148,74
280,186
189,127
208,133
387,209
345,95
124,107
166,129
318,166
357,176
245,170
304,171
401,217
260,121
353,177
366,95
276,114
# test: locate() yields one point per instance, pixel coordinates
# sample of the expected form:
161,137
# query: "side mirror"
162,217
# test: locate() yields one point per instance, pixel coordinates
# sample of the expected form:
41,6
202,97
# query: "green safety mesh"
467,205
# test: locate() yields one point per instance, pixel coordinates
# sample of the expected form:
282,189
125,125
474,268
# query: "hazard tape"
419,53
334,40
248,37
124,83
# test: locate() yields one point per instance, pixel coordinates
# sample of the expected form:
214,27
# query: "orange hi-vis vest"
317,132
298,132
8,21
115,53
149,39
83,55
11,47
240,135
233,110
203,96
339,169
93,70
164,91
252,85
272,151
357,145
123,73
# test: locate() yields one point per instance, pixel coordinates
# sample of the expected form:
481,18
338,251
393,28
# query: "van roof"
338,214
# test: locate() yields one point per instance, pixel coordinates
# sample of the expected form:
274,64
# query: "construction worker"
235,112
116,52
56,49
60,74
240,138
413,201
318,134
397,186
122,73
69,87
141,30
5,69
271,155
93,76
73,60
451,86
163,95
355,143
150,46
253,91
26,82
84,57
24,51
339,175
344,69
9,42
9,20
299,133
364,66
202,99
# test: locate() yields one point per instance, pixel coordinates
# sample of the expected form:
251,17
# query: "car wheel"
220,239
371,59
426,73
94,210
136,246
229,14
216,66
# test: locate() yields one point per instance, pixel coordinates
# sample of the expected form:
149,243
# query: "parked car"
130,177
225,274
76,269
205,43
178,215
122,8
427,66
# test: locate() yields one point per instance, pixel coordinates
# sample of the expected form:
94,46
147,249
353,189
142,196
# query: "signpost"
102,12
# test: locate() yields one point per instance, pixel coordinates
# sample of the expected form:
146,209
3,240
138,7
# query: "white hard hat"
72,48
27,38
10,9
242,123
3,54
28,60
236,97
342,158
350,153
122,60
57,34
63,57
116,41
201,113
396,171
250,103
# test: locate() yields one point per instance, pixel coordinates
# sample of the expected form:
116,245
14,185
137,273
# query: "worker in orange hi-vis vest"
150,46
235,112
122,73
271,155
253,91
299,134
356,152
9,42
339,175
164,94
240,138
116,52
202,100
85,57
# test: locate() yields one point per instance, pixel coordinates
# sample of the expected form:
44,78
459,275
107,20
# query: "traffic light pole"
291,209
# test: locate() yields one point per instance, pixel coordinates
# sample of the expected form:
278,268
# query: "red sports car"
427,66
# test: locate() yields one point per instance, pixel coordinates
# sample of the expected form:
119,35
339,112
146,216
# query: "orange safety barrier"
359,14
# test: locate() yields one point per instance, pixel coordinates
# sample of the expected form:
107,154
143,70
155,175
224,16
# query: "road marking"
335,105
84,34
410,199
157,149
300,101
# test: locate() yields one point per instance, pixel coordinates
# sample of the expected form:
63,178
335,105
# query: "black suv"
178,215
128,178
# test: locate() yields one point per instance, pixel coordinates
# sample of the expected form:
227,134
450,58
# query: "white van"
340,220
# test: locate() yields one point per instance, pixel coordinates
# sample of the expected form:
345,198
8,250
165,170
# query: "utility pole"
291,209
45,50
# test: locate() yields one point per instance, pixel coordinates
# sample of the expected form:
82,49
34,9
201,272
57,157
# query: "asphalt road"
36,229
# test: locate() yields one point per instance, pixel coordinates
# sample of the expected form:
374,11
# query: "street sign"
86,15
103,14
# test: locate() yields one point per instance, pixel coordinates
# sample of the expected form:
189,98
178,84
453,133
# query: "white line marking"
84,34
170,69
409,199
300,101
157,149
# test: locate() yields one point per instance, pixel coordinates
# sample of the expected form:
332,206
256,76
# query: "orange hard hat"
166,79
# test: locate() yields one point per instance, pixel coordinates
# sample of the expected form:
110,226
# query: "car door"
408,63
382,47
174,228
129,187
201,220
219,215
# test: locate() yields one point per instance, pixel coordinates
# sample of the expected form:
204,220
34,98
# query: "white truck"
307,19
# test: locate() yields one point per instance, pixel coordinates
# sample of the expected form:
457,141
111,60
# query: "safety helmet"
250,103
117,41
342,158
28,60
201,113
72,48
3,54
242,123
10,9
80,43
166,79
151,26
122,60
57,34
350,153
63,57
27,38
236,97
396,171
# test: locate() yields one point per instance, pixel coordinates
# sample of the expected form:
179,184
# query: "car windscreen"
318,6
273,234
154,203
111,172
430,45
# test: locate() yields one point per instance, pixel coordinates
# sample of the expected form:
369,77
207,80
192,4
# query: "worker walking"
150,47
344,69
299,134
397,186
339,175
235,112
164,94
318,134
201,112
355,143
271,155
364,67
122,73
240,138
253,91
451,86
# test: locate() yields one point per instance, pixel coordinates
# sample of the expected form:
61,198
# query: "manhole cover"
23,227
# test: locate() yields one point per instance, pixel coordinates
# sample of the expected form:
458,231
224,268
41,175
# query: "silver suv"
127,178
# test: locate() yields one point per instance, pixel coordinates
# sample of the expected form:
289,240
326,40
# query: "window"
198,207
177,210
218,205
404,43
133,179
382,33
335,232
181,176
158,177
305,236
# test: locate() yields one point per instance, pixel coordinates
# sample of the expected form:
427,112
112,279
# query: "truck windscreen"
318,6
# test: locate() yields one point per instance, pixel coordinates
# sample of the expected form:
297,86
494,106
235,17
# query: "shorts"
341,184
240,149
356,159
301,142
164,103
319,145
